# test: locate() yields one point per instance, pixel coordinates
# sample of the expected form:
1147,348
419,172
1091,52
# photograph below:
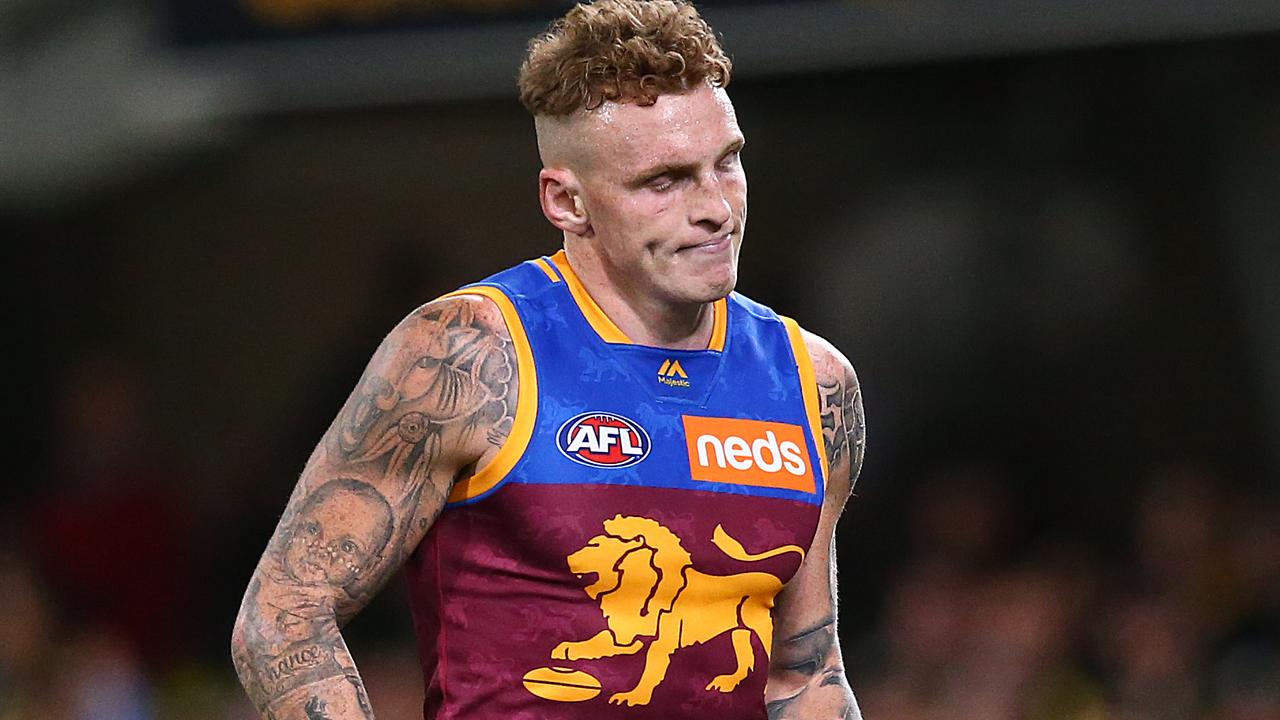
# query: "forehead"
682,127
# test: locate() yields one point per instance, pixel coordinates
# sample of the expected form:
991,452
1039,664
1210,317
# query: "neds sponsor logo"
748,452
602,439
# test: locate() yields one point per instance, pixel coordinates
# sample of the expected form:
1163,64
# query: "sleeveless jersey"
620,555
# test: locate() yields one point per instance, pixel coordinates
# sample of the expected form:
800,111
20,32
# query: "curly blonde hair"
629,51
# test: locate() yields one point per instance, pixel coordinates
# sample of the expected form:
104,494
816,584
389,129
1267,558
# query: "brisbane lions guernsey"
621,555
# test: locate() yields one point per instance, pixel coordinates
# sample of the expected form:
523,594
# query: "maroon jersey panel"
584,601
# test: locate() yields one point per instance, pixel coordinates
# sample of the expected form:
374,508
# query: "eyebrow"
683,169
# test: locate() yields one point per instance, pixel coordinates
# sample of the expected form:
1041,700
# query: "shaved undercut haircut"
626,51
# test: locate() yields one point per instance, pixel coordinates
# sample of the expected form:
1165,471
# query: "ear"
561,198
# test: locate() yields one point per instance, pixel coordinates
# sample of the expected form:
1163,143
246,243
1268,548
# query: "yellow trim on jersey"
489,476
809,387
609,331
546,269
603,326
720,325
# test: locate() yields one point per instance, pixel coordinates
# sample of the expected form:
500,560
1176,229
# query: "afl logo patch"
601,439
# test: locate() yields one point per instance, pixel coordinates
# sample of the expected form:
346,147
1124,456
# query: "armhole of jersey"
809,388
492,474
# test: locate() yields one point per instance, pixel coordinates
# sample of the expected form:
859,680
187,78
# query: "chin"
723,291
725,283
702,285
716,290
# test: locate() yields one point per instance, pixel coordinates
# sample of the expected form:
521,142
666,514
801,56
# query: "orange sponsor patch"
748,452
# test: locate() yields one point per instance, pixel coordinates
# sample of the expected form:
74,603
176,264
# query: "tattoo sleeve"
438,397
807,675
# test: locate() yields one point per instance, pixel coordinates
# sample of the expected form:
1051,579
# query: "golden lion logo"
650,593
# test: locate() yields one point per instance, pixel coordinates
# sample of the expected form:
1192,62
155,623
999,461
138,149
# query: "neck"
644,317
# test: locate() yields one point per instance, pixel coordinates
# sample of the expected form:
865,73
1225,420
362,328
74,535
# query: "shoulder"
454,317
449,360
840,411
444,384
829,364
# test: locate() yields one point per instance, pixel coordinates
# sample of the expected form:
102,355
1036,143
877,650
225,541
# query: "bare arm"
806,672
436,401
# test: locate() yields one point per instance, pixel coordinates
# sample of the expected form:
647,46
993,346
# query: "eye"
347,546
731,159
311,528
662,183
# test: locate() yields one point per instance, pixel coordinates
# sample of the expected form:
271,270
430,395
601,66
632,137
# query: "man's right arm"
436,401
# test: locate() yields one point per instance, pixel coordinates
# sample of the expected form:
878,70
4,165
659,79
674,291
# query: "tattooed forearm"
300,665
286,647
439,393
813,656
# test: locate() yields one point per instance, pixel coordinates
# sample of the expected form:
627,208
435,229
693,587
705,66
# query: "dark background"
1045,234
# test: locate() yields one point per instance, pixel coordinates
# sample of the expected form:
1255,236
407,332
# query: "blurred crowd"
120,573
1179,621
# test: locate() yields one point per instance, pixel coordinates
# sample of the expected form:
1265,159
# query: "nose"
709,206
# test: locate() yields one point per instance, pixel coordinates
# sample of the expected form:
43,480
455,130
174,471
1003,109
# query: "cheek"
735,186
638,205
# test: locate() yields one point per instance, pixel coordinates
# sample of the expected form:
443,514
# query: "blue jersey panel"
616,413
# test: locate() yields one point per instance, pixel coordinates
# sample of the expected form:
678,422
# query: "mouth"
714,245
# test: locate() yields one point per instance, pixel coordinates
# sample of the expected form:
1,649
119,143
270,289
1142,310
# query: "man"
612,481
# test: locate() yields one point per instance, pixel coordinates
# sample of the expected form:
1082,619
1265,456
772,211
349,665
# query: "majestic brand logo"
672,374
748,452
602,439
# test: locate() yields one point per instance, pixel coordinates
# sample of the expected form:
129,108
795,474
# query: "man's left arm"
806,673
